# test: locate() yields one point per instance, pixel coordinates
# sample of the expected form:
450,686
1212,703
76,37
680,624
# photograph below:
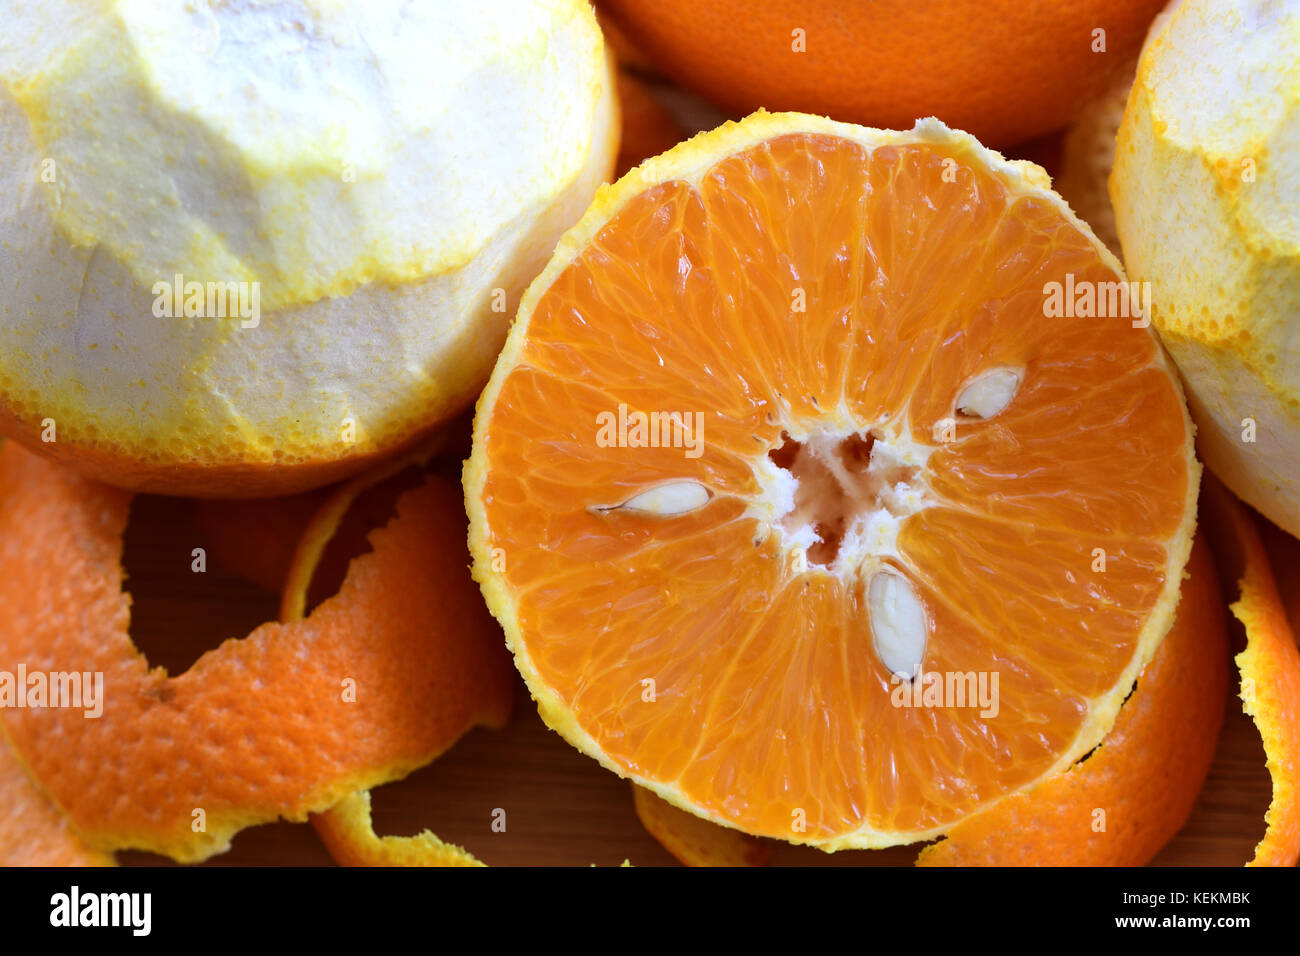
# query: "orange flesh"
770,704
1129,797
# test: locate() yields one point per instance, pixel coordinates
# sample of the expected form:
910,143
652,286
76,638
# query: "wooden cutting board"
561,808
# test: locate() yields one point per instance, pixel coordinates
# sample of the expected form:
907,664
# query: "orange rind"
32,830
283,723
347,829
692,840
348,832
1269,665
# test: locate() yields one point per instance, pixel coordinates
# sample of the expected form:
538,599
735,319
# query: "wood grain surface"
561,808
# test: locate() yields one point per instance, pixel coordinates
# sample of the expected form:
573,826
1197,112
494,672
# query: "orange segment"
1270,666
32,830
259,728
1121,804
694,841
716,604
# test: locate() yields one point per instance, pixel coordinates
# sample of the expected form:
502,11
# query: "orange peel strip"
1145,776
1269,666
694,840
258,728
32,830
348,832
347,829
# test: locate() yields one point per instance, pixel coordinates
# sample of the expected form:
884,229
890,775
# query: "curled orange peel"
694,840
347,828
1122,803
32,830
1269,665
348,833
261,727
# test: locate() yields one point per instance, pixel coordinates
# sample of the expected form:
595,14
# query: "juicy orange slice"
694,841
33,832
787,438
287,721
1125,801
1269,666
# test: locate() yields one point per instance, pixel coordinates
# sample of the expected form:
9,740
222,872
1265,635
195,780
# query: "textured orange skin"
1004,70
258,728
32,830
347,828
694,840
1147,774
1270,664
197,479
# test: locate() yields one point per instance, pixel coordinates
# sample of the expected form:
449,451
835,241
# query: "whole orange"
1004,70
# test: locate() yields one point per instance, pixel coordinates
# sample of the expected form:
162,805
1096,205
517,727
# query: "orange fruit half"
800,504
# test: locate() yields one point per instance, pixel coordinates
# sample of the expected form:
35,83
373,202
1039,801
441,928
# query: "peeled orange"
800,504
1206,190
246,248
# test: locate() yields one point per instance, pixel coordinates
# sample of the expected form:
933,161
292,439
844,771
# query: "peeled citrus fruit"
246,248
786,432
1206,189
1005,70
378,680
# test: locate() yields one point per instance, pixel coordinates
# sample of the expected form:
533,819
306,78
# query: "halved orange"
787,438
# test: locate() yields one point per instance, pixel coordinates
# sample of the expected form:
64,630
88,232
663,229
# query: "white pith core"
837,501
836,498
839,498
